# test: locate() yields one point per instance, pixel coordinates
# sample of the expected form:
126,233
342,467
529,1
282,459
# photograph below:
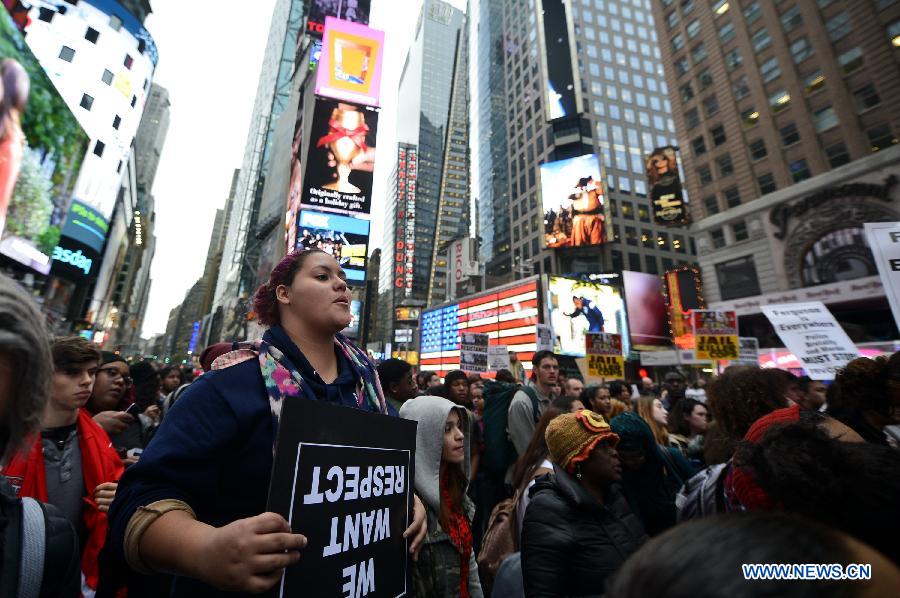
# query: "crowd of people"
150,481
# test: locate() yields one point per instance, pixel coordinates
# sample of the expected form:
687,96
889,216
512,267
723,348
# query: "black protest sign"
344,478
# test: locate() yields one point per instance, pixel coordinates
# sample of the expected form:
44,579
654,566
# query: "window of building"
737,278
726,32
86,101
732,197
677,43
837,154
643,213
720,7
824,3
894,33
678,243
789,134
711,106
758,149
739,230
128,62
134,102
711,205
825,119
117,120
718,135
766,182
115,23
704,175
705,79
779,100
92,35
801,50
838,26
866,97
98,148
725,165
650,261
761,40
46,14
813,82
672,19
698,52
646,238
733,59
770,70
662,240
687,7
691,118
634,262
799,170
717,236
630,235
698,146
741,87
693,28
851,60
752,12
687,92
627,210
682,66
107,77
880,137
791,18
67,53
749,117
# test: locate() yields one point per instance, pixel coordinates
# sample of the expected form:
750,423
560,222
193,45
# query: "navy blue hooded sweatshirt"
214,451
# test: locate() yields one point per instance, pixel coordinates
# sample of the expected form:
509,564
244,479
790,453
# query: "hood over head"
431,414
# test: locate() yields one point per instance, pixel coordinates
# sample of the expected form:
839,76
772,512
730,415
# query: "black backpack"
41,555
499,452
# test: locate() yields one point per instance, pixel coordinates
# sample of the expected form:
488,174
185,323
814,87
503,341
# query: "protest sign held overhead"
544,337
473,352
716,334
498,358
884,241
344,478
604,355
811,333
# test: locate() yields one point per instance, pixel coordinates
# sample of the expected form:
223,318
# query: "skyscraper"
151,135
787,116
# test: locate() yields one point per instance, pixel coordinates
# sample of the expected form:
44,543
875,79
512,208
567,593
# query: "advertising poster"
41,151
498,358
604,355
405,225
350,63
407,314
562,89
356,11
812,334
575,210
473,352
343,237
344,478
683,295
716,334
884,241
646,305
340,158
578,307
664,183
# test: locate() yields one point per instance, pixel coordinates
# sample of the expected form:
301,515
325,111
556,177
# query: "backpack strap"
535,403
34,543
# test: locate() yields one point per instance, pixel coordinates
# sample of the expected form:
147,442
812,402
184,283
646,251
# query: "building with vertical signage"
788,125
585,79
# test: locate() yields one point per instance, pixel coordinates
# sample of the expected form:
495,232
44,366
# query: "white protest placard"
544,337
748,351
473,352
811,333
498,358
884,241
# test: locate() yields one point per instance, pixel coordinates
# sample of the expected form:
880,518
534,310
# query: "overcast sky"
211,53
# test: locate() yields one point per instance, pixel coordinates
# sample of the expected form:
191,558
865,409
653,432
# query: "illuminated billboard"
646,305
343,237
664,183
405,223
575,210
42,146
562,87
683,294
508,315
356,11
577,307
350,64
340,158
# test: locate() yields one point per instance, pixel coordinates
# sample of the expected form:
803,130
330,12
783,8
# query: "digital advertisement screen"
41,148
665,186
561,89
86,224
577,307
350,64
646,305
340,158
575,210
74,261
345,238
683,295
356,11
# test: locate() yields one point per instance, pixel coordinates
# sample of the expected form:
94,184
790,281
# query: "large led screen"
665,186
356,11
340,157
575,210
577,307
41,146
508,315
350,64
646,304
343,237
561,86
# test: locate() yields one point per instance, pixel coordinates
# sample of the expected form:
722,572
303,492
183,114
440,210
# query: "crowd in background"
536,485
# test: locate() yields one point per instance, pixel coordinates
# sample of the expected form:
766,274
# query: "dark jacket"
571,544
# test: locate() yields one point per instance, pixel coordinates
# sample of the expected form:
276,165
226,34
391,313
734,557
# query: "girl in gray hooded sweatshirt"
446,565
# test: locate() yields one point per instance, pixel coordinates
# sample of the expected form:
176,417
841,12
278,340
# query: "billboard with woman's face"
664,183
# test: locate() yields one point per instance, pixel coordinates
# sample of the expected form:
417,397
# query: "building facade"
787,119
151,136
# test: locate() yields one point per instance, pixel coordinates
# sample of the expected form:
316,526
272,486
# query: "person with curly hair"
865,395
737,398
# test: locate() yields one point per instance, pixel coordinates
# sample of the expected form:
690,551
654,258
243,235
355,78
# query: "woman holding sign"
193,506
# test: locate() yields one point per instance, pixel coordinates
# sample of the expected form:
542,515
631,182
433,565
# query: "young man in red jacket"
72,464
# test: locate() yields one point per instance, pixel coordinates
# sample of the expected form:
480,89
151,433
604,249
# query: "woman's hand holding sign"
418,529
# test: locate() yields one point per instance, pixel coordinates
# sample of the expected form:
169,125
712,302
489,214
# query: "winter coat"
571,543
437,572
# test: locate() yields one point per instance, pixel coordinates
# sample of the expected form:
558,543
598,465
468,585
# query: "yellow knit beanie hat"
572,437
